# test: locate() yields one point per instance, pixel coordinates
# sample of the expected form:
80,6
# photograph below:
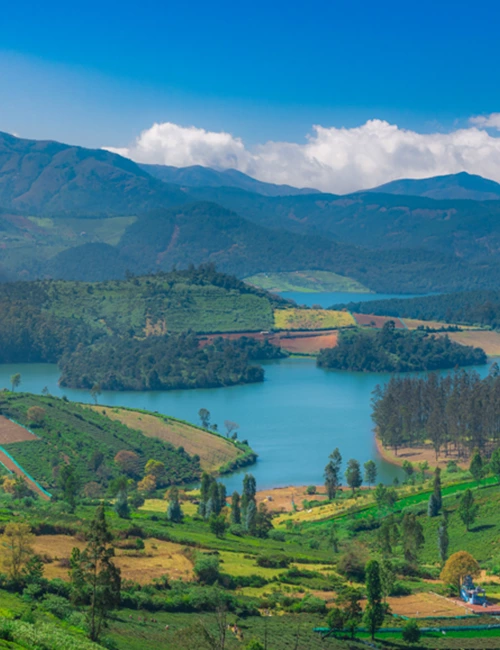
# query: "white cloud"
491,121
332,159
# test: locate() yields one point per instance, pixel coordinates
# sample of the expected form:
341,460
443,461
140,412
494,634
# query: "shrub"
311,489
206,568
411,633
277,535
273,560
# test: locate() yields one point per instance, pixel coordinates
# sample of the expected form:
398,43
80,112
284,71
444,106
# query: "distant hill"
198,176
451,186
467,229
45,177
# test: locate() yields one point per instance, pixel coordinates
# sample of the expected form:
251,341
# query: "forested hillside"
466,307
391,350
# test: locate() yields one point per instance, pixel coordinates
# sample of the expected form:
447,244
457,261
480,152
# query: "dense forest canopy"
458,411
165,362
391,350
465,307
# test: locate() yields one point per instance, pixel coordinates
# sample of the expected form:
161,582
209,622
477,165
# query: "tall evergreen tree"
370,472
332,473
174,510
353,474
93,573
436,489
375,609
468,509
443,538
235,508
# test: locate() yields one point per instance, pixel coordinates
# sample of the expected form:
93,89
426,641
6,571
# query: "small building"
471,594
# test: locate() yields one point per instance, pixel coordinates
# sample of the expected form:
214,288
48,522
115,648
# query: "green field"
306,282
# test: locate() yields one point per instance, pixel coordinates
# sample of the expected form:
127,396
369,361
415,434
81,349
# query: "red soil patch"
11,432
370,320
300,341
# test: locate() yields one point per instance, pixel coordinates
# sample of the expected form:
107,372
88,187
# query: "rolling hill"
47,178
198,176
451,186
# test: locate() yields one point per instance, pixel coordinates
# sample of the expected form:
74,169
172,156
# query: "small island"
392,350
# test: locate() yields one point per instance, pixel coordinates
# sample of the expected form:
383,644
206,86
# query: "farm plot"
306,342
213,450
12,432
158,558
425,605
311,319
370,320
488,341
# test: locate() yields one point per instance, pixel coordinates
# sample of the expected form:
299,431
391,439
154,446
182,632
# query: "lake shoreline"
416,455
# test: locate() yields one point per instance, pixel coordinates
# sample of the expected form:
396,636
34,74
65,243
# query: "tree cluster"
392,350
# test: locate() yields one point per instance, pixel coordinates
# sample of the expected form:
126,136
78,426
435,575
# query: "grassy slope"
214,450
306,281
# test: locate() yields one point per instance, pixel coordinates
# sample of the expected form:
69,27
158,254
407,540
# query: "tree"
411,633
15,381
375,610
388,535
436,489
353,475
217,525
432,507
206,568
174,510
349,601
248,494
412,535
157,469
332,473
333,537
458,566
495,463
36,415
443,538
263,521
251,518
409,470
423,467
94,573
128,462
235,508
476,467
387,577
147,485
122,508
231,427
204,416
370,472
468,509
16,543
69,485
95,391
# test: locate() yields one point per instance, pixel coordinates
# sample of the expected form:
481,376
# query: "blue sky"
98,73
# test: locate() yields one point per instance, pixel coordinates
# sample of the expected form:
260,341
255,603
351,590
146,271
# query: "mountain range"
77,213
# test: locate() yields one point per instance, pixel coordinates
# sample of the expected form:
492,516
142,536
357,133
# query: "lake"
293,420
339,297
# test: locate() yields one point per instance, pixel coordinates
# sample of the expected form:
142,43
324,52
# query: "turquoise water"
338,297
293,420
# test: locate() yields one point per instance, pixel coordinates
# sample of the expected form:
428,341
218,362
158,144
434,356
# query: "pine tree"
353,474
443,539
375,609
94,573
468,509
235,508
437,489
370,472
432,507
251,517
476,466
